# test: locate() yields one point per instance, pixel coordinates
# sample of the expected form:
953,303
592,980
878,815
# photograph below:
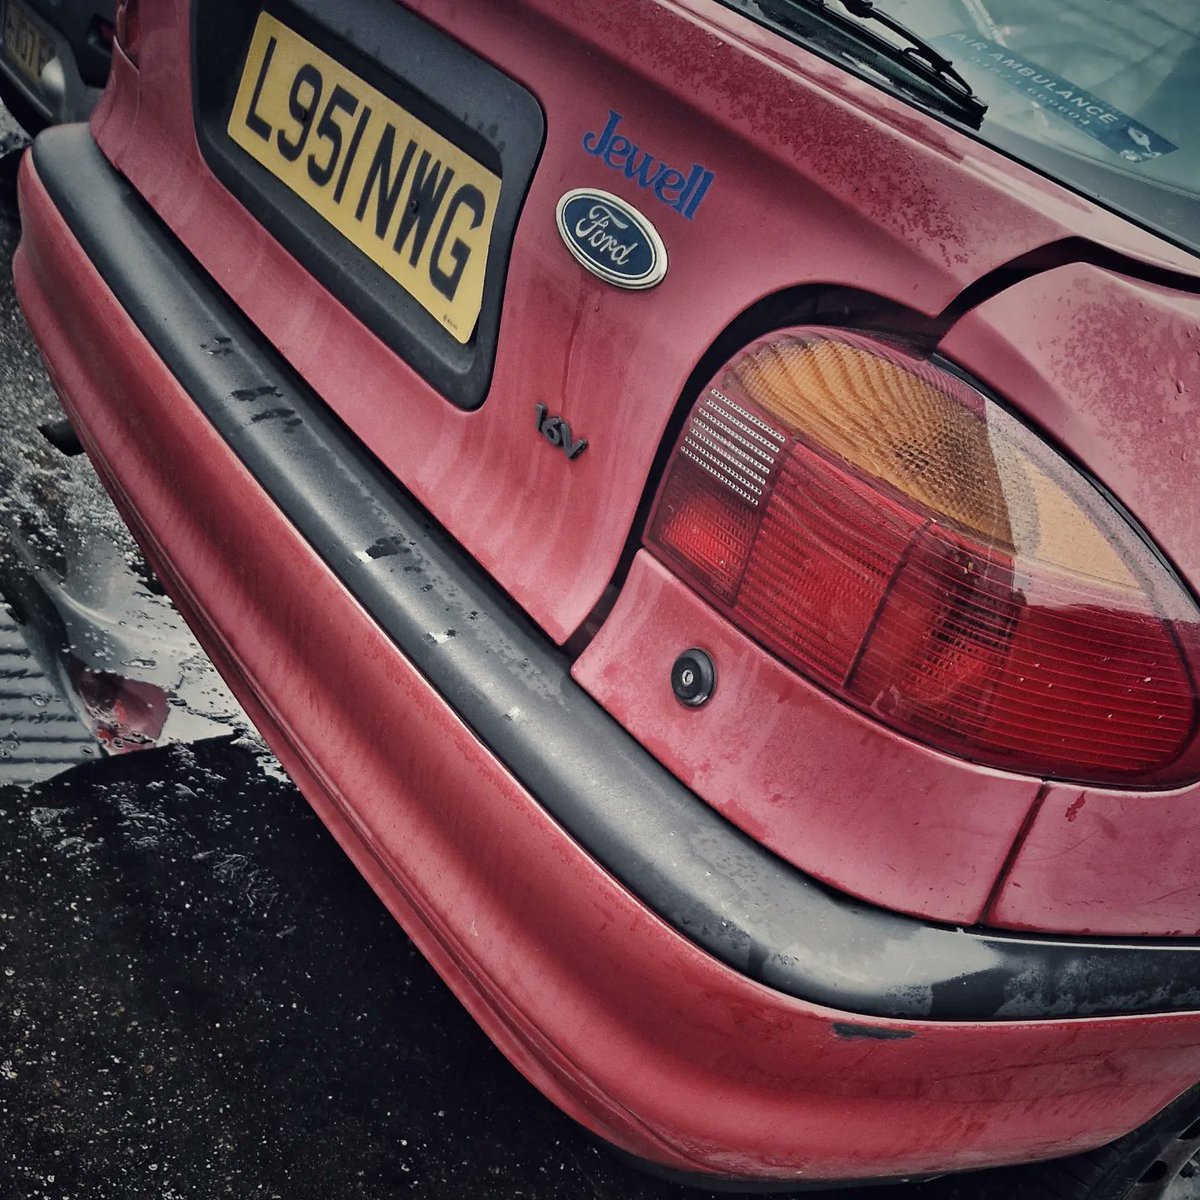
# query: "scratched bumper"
659,974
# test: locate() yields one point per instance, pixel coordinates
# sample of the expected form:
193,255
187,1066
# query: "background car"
54,57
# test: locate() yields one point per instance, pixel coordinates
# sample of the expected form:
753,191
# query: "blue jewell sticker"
679,192
611,238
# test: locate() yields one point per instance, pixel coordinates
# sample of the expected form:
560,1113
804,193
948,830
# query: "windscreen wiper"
919,58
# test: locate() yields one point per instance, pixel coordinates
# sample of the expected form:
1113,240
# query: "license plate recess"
438,95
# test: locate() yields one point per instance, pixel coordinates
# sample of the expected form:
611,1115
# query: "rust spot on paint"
845,1029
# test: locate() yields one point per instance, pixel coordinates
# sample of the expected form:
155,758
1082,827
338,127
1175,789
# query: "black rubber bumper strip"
512,686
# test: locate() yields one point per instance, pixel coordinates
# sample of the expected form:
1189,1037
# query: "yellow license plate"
25,44
414,203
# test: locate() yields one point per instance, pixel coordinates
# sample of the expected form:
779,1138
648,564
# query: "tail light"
128,29
102,33
124,714
907,544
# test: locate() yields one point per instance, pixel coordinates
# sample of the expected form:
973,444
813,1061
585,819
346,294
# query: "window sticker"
1050,91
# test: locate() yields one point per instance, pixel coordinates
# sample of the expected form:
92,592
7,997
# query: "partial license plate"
25,45
413,202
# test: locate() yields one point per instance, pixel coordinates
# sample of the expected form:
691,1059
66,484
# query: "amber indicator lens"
912,547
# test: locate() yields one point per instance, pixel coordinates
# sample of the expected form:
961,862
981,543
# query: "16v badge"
611,238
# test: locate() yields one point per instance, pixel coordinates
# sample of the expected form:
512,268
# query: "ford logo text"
611,238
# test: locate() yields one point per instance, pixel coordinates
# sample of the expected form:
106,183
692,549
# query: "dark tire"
1151,1163
21,110
1154,1162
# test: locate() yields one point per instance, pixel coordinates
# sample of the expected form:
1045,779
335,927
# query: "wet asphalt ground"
199,997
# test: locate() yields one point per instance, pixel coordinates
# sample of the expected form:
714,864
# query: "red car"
700,495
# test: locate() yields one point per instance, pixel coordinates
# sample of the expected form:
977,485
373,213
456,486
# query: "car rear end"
867,450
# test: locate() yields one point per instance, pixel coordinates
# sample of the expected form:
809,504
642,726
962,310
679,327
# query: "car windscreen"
1102,95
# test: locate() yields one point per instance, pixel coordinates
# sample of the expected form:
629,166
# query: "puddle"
98,660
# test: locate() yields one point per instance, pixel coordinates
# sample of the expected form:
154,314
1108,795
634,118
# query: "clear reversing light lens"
905,542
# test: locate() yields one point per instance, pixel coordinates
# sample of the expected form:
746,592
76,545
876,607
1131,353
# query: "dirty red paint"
623,1022
834,792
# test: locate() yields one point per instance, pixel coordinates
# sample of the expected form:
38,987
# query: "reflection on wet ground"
94,619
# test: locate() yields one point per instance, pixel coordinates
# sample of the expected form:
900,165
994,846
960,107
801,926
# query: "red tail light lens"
128,29
124,714
103,32
905,542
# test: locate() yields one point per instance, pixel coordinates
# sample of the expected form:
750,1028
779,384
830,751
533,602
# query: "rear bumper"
662,977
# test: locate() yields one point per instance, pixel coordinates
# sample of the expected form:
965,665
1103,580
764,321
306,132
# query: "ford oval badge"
612,239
